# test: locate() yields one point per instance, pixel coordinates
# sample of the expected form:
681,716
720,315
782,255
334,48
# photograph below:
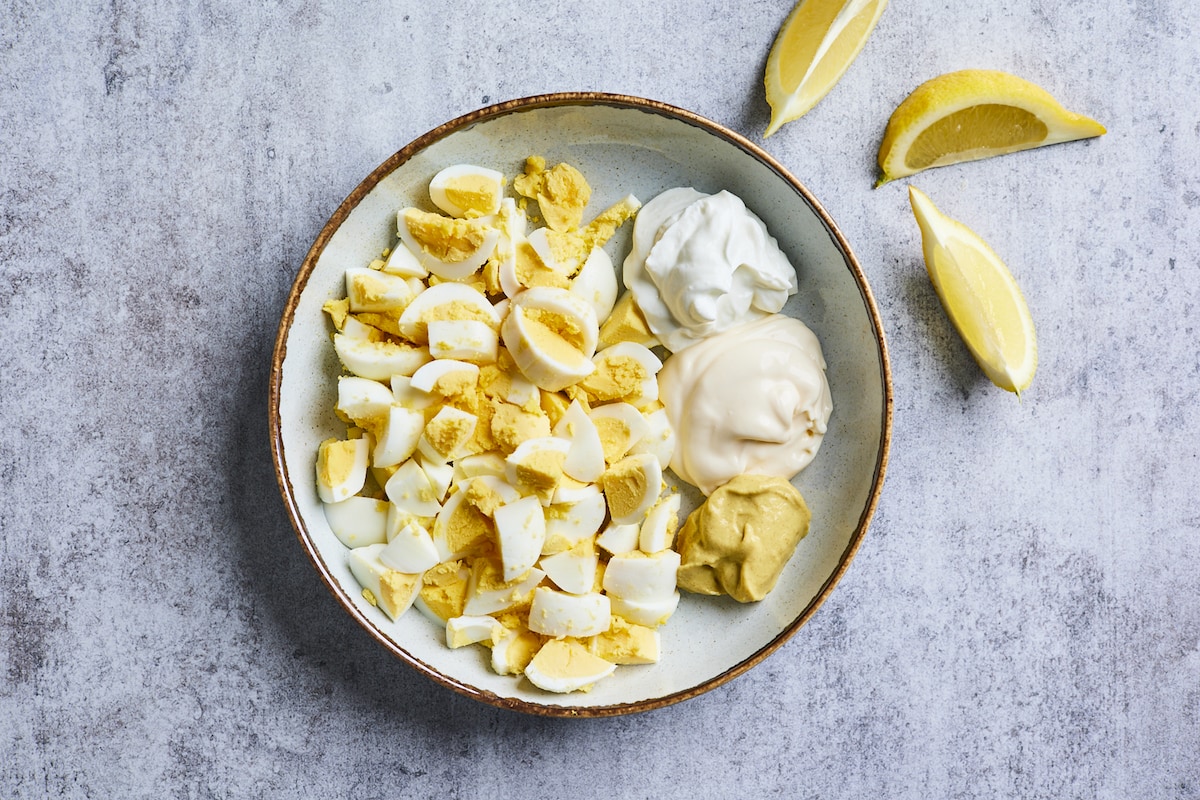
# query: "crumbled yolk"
447,434
562,192
512,425
337,310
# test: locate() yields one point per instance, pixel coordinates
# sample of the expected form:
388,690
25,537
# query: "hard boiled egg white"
557,614
358,521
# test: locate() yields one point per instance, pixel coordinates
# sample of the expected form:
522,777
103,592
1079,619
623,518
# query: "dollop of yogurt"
701,264
752,399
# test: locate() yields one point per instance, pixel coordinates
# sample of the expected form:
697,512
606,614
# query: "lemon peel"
979,295
815,46
973,114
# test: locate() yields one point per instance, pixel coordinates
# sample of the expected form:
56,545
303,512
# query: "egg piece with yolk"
448,435
551,335
568,524
621,426
487,593
378,360
624,371
450,248
466,190
565,666
464,630
341,468
425,378
631,486
362,398
535,467
390,590
371,290
445,301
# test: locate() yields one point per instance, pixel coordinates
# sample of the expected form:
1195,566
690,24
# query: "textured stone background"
1022,621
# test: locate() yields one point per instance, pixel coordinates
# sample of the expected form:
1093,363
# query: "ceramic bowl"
622,145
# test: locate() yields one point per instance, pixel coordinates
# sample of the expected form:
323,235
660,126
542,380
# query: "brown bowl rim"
343,211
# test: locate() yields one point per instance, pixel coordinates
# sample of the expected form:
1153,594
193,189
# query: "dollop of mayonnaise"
701,264
753,399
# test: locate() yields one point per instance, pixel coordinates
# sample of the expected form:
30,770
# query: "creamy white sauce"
753,399
702,264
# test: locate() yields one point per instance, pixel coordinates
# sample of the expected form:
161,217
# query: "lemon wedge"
973,114
980,296
814,48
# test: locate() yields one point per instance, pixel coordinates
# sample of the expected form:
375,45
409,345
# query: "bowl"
622,145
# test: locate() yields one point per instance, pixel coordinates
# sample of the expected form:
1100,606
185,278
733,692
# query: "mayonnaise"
753,399
701,264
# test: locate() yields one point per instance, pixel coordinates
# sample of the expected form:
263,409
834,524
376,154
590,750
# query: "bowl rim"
340,215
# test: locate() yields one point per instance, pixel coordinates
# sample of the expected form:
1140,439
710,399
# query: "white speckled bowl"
622,145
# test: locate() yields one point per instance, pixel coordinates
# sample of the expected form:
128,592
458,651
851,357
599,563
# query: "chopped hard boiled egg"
566,666
465,190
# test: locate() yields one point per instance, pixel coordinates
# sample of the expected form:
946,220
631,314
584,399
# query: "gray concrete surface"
1022,621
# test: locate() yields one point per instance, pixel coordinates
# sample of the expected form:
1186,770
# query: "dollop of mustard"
738,542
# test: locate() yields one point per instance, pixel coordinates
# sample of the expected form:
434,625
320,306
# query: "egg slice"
514,650
410,550
650,613
659,439
372,290
488,594
448,435
585,458
358,521
465,190
404,263
557,614
464,630
449,248
573,570
640,577
441,302
566,525
399,437
631,486
617,539
362,398
341,469
551,335
520,531
626,643
425,378
463,339
597,283
390,590
621,427
535,467
658,529
409,488
562,666
378,360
